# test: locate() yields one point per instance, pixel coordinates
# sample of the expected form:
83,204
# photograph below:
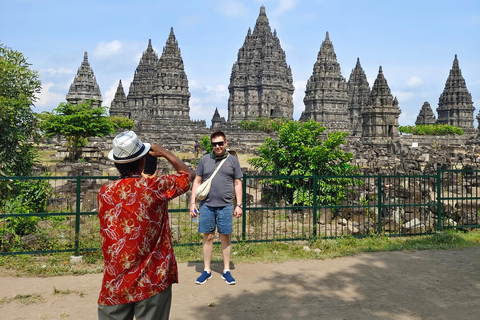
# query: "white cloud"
51,72
195,85
110,94
298,96
403,96
47,99
107,49
284,6
414,82
231,8
205,98
407,118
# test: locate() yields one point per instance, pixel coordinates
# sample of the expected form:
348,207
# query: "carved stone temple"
159,90
358,94
380,116
261,83
426,115
326,96
84,86
455,106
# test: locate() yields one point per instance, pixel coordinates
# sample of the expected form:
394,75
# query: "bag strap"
218,168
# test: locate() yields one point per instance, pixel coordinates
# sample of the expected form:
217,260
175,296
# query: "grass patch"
246,252
24,299
68,291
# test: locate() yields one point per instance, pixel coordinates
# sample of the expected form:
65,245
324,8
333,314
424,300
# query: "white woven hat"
127,147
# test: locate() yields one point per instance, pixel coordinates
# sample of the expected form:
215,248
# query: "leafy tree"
122,122
206,144
302,149
18,86
18,128
79,122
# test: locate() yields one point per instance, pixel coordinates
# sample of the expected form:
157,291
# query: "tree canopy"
18,128
18,86
79,122
302,149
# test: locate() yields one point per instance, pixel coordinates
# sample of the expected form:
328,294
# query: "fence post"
439,198
380,195
244,206
77,216
315,206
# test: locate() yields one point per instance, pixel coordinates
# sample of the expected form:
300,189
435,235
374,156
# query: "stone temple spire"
426,115
455,106
171,85
217,121
84,86
380,116
141,88
358,93
261,80
119,106
326,98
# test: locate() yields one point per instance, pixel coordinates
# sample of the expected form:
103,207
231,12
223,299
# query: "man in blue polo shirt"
217,209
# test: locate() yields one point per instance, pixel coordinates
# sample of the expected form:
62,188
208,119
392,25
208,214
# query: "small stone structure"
426,115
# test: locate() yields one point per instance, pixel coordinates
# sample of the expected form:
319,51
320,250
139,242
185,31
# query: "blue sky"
415,42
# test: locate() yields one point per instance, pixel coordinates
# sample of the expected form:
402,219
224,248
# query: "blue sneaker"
228,278
204,277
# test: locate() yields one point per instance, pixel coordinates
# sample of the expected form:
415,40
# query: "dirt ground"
436,284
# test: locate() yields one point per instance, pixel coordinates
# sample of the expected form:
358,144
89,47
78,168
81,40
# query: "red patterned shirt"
136,240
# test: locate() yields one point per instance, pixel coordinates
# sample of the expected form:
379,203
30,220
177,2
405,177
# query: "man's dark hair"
127,169
218,134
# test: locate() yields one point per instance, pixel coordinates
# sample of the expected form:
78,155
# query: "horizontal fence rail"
276,208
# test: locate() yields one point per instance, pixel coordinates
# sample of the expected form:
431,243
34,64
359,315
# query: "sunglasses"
218,144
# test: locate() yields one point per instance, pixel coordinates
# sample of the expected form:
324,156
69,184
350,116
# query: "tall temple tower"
326,97
455,106
426,115
171,95
380,116
261,83
358,94
84,86
140,93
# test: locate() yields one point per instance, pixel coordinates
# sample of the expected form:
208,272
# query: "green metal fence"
275,208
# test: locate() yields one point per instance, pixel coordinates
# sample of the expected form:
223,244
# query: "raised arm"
158,151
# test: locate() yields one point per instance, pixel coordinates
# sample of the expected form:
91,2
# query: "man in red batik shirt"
140,265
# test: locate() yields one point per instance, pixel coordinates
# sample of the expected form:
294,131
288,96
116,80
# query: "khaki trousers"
153,308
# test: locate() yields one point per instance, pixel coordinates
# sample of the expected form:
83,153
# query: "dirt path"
388,285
